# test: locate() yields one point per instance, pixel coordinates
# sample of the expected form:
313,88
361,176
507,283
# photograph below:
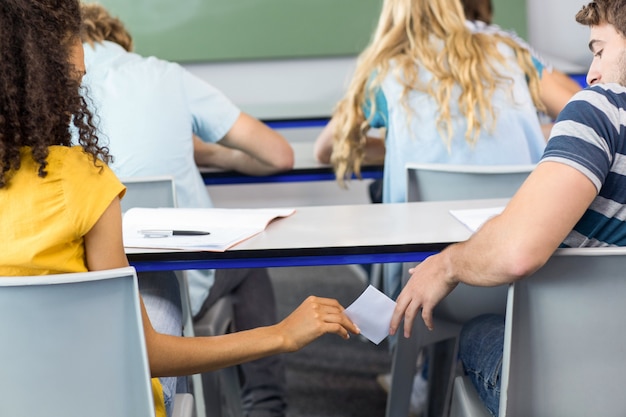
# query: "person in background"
556,88
60,202
161,120
165,107
433,111
417,80
573,198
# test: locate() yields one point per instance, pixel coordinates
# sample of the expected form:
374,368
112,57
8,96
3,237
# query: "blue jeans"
480,348
161,296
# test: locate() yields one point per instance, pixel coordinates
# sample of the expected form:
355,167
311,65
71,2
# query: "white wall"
282,89
554,32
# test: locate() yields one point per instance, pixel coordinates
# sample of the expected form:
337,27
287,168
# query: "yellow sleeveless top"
43,220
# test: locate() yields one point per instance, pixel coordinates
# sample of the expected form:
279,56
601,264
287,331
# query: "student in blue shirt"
160,119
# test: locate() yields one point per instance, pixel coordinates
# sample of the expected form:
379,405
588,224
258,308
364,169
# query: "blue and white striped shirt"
590,136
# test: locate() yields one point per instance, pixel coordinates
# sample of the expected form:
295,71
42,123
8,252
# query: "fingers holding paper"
428,285
315,317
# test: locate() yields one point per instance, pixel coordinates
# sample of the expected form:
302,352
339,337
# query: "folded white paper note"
473,219
225,227
371,312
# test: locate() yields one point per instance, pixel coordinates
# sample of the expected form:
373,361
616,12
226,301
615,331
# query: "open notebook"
209,229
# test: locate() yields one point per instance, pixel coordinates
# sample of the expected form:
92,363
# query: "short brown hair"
98,25
599,12
478,10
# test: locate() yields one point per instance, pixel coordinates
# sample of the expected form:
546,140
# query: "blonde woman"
442,93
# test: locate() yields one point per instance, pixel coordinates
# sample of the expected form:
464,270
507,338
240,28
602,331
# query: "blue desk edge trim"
297,123
271,262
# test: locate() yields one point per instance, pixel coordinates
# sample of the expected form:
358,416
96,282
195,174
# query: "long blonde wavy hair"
410,33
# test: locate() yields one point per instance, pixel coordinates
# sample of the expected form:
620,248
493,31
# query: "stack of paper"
195,229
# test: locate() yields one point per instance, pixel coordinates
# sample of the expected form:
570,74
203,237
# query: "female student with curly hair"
60,203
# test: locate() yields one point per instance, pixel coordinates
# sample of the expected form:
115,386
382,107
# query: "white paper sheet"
473,219
371,312
226,227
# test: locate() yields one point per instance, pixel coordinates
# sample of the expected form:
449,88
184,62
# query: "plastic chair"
440,182
565,339
465,400
217,390
73,346
156,191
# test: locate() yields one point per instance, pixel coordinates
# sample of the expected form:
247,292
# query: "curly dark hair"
599,12
40,97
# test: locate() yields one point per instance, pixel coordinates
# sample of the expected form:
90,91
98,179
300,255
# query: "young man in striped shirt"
575,197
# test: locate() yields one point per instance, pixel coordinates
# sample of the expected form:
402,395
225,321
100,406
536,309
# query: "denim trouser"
480,348
161,296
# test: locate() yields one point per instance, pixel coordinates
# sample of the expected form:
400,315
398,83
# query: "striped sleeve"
587,134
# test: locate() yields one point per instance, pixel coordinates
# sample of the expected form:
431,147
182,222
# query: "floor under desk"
331,377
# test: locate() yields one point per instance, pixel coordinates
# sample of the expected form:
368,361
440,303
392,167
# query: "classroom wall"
246,48
281,88
283,58
310,87
301,87
219,30
554,32
307,87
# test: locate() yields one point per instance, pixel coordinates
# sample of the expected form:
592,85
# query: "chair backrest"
150,192
440,182
73,346
565,337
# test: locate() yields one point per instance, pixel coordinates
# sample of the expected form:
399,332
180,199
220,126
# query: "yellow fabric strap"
159,400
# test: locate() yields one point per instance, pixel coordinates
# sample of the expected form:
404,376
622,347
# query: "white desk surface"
365,233
374,230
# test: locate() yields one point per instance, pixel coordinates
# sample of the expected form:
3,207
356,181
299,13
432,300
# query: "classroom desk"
306,168
331,235
335,235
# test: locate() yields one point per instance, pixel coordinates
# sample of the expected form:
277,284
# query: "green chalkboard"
511,14
224,30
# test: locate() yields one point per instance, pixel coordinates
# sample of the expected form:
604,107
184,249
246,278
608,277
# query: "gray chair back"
565,337
149,192
73,346
441,182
